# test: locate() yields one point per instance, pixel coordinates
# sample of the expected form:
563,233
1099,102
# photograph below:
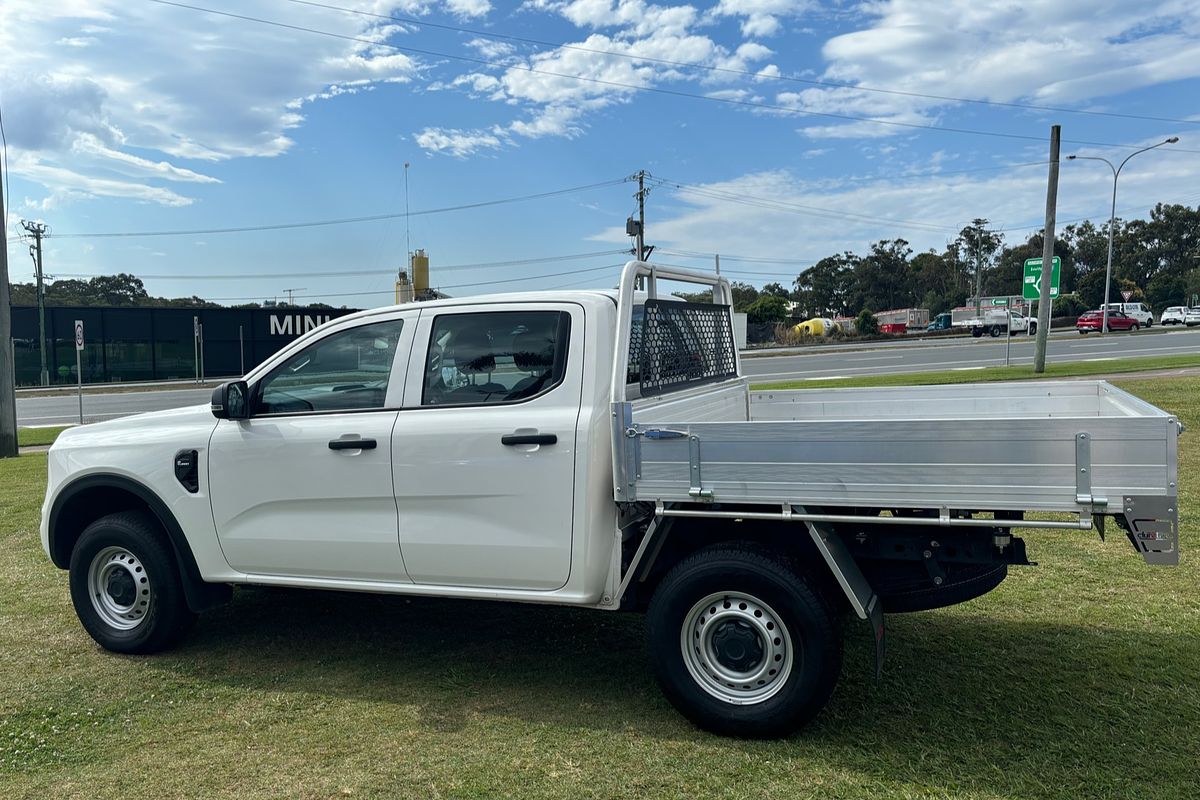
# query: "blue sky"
778,132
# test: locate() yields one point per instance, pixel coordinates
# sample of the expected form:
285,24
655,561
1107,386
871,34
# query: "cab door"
483,454
303,488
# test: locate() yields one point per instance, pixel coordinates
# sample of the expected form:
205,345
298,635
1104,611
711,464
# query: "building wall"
143,344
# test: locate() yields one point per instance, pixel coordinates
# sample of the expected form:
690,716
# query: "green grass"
29,437
1077,678
1068,369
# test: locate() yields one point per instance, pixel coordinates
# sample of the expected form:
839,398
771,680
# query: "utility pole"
638,229
38,231
8,367
291,293
1044,304
978,223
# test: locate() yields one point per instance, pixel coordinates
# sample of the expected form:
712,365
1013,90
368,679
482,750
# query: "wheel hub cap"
736,648
119,588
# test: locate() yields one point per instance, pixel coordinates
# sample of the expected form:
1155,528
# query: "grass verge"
1068,369
1076,678
30,437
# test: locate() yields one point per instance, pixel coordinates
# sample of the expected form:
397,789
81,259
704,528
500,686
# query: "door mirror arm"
231,400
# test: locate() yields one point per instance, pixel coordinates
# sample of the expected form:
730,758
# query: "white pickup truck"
995,321
597,449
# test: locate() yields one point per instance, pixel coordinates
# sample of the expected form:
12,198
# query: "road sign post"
79,365
196,345
1031,286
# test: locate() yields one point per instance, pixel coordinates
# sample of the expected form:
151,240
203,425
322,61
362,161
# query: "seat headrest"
532,351
472,352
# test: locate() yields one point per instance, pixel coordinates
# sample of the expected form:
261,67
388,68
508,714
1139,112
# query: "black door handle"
352,444
528,438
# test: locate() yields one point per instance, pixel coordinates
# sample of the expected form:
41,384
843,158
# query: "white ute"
597,449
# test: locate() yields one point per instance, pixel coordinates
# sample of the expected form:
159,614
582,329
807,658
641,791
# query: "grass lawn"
1067,369
27,437
1077,678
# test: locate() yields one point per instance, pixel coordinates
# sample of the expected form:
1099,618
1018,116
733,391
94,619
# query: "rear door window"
495,357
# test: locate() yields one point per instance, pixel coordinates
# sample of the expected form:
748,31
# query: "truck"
902,320
996,321
598,449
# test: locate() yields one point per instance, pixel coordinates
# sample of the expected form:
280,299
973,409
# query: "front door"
483,454
303,488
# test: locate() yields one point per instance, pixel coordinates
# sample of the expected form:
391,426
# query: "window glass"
343,371
494,357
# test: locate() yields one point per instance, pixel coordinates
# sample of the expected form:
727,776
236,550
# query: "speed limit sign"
78,334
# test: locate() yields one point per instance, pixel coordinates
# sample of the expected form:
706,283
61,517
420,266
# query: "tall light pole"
1112,219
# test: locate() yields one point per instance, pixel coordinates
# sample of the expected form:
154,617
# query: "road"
820,363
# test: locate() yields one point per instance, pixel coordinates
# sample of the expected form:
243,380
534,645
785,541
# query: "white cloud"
761,17
994,51
469,8
825,218
491,49
455,142
92,86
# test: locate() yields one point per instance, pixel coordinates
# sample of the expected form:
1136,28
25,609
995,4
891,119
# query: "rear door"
303,487
484,450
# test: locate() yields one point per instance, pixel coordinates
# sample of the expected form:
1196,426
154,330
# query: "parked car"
1192,317
600,450
1137,311
1117,321
1173,316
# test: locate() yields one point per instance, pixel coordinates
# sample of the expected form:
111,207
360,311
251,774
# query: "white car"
1192,317
1173,316
1137,311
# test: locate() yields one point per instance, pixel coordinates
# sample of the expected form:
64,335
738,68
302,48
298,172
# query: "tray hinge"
697,489
1083,476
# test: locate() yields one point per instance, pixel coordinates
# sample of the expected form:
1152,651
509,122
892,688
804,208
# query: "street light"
1112,219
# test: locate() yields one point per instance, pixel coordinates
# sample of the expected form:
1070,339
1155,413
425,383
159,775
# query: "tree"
865,323
775,290
767,308
824,289
743,295
979,247
882,276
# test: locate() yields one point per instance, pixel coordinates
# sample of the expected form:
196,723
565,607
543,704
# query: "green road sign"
999,301
1032,285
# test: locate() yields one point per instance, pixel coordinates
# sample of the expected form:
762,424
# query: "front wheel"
741,644
125,585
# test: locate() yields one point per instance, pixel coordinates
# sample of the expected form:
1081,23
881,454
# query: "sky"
773,132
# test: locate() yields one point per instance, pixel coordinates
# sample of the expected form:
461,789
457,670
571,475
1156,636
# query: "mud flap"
1152,523
862,597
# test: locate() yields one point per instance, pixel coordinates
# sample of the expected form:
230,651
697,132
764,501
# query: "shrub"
865,323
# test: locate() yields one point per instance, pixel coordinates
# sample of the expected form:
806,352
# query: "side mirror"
230,401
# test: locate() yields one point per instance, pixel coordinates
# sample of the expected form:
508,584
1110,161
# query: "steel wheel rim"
711,616
119,588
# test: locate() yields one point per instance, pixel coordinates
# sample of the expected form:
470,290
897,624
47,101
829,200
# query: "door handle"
512,439
352,444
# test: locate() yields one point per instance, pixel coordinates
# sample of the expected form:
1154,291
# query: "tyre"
1133,327
976,332
1033,329
741,644
125,585
994,331
905,587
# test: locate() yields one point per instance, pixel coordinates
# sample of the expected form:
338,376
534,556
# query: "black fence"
146,344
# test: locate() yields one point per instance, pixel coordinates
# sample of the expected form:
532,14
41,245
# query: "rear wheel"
125,585
1133,327
994,331
741,644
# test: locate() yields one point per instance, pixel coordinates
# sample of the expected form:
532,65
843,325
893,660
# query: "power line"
343,221
764,202
358,272
634,87
452,286
733,71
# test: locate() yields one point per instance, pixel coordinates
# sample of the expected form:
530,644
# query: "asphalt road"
816,364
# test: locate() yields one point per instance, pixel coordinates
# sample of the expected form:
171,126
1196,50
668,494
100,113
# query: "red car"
1117,321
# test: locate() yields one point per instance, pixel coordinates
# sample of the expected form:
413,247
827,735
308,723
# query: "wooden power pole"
1044,300
8,367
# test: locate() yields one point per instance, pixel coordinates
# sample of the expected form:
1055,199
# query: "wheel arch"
85,500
